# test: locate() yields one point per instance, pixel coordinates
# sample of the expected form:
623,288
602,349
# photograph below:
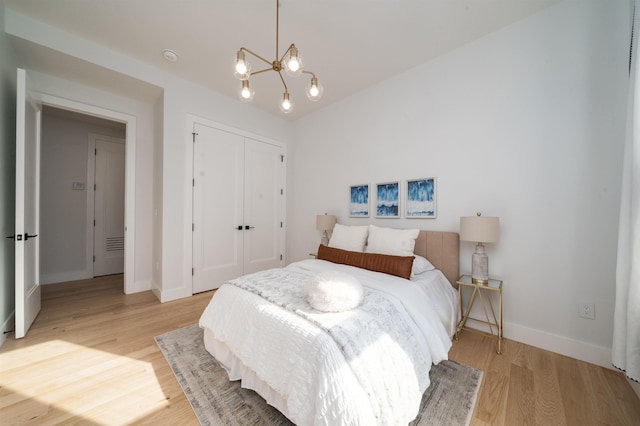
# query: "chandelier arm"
309,72
286,51
244,49
286,90
261,71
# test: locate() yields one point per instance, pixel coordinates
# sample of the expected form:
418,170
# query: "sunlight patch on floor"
73,380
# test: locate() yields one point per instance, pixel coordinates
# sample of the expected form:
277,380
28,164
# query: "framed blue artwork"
359,201
388,200
421,198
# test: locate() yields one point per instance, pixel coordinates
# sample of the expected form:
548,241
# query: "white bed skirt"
238,371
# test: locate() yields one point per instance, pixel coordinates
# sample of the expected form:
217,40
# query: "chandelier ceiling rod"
291,62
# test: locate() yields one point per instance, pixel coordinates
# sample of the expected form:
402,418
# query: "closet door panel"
218,246
263,206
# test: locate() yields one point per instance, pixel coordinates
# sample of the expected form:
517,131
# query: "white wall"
156,250
526,124
8,65
63,215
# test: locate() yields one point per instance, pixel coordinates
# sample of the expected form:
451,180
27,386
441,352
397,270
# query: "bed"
362,366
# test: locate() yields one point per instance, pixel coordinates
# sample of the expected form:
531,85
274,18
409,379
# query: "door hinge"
194,136
193,272
282,158
193,227
94,186
95,152
280,257
281,191
94,259
193,183
94,222
280,224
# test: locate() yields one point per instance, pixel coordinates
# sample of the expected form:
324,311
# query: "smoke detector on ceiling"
170,55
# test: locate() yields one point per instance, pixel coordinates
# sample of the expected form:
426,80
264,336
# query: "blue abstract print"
359,201
387,204
421,198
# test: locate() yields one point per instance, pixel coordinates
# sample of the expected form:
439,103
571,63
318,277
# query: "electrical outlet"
587,310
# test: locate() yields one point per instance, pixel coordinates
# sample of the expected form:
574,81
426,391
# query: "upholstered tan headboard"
443,251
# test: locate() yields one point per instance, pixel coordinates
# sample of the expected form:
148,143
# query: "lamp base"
480,265
325,238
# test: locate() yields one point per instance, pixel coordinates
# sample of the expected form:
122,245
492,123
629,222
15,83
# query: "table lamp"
479,229
325,223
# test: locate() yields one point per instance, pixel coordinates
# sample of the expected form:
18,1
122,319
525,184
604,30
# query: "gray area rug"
217,401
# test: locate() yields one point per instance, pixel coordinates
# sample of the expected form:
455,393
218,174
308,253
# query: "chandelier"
290,62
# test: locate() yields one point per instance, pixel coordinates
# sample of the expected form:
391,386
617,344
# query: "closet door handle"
239,227
248,227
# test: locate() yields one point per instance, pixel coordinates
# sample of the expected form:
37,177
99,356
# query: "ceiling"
349,44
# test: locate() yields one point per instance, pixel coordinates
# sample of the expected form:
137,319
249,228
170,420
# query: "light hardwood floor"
90,358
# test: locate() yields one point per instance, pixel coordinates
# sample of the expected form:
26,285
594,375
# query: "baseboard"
583,351
61,277
9,324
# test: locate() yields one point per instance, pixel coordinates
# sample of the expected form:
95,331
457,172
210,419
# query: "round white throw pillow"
332,291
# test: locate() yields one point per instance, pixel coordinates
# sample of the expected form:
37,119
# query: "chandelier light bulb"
314,90
293,63
246,92
286,105
242,67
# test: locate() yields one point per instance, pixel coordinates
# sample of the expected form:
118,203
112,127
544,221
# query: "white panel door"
109,188
27,271
218,169
263,195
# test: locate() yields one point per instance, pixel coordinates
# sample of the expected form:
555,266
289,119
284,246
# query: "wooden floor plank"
521,405
548,399
90,358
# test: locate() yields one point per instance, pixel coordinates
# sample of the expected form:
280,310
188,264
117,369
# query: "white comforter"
298,367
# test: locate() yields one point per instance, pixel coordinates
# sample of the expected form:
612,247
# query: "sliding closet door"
218,170
263,198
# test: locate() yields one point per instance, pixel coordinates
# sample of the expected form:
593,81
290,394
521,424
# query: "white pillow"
420,265
352,238
333,291
397,242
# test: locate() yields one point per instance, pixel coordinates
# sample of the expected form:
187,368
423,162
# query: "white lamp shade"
325,222
479,229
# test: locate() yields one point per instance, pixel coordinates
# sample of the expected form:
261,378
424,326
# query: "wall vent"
115,243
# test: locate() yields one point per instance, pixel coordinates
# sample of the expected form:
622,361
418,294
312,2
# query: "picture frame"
420,198
359,200
388,200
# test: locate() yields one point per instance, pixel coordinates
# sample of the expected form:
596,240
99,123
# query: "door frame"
130,169
188,198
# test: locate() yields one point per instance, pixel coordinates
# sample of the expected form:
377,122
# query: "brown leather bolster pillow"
399,266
